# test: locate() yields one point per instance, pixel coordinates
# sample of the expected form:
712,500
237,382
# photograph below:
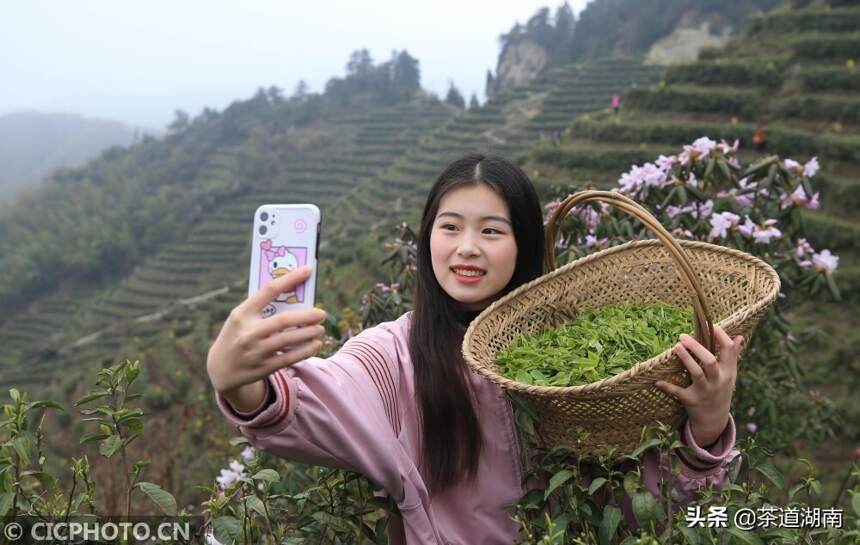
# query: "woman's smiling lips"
468,278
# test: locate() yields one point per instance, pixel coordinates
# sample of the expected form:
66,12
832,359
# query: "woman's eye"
495,231
447,225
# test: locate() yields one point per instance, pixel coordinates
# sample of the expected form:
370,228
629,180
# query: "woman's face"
472,230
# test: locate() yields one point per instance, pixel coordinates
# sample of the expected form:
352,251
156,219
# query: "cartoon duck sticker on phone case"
278,261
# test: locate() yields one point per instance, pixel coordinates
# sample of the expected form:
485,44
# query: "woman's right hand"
250,348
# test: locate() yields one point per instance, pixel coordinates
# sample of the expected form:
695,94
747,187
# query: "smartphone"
286,237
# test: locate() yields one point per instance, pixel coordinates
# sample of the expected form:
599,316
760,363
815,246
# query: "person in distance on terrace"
398,404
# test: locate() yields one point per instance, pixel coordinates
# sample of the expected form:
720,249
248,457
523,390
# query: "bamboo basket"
612,411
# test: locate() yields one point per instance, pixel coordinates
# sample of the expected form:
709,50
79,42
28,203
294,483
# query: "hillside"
367,168
32,144
793,71
662,31
153,248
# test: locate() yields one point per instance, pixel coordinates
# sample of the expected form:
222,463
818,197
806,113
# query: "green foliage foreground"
703,193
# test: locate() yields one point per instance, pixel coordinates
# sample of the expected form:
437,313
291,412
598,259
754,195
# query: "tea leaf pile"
597,344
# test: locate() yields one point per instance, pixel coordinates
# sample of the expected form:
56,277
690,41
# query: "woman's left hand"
709,398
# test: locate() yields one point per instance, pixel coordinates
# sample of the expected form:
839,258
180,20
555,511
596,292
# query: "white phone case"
286,237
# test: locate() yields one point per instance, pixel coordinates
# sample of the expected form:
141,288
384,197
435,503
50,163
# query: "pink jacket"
356,410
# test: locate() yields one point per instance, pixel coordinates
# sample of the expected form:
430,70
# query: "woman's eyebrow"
460,216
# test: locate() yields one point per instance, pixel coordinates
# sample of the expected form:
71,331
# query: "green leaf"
225,529
93,437
255,504
47,481
269,475
24,446
724,170
653,442
744,536
91,396
855,503
163,499
557,480
131,372
766,468
691,535
110,446
609,524
631,483
15,395
129,415
644,508
47,403
709,167
6,502
834,291
595,485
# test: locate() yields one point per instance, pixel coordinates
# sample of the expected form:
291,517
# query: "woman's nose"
467,246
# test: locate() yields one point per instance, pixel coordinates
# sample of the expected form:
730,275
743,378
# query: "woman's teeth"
467,272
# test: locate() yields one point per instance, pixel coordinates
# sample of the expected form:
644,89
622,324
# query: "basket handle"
704,328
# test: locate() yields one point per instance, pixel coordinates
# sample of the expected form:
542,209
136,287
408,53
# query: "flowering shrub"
388,301
704,193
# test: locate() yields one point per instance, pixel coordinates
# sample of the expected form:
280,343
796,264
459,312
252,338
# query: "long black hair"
450,431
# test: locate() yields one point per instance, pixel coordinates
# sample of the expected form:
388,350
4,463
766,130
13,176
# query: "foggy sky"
138,62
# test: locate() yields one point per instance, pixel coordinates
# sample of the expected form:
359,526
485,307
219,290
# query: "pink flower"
791,164
591,217
673,211
721,223
743,200
824,262
751,427
698,150
230,476
692,181
803,248
681,232
799,198
747,228
705,209
549,209
666,163
760,233
765,232
648,175
725,148
591,240
811,167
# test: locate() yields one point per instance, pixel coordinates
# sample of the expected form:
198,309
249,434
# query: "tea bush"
702,193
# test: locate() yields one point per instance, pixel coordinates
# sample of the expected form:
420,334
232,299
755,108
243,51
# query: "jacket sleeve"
340,411
706,466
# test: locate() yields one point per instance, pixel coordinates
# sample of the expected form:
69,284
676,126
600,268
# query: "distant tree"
565,23
276,94
180,122
473,102
406,74
301,91
454,97
207,115
360,63
488,86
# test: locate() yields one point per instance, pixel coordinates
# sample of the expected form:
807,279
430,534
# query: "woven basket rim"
640,367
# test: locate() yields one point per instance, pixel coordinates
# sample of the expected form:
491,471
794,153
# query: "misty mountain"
33,144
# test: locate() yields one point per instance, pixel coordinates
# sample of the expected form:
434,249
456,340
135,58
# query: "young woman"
398,403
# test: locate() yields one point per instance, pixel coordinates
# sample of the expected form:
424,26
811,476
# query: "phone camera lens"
264,216
263,229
